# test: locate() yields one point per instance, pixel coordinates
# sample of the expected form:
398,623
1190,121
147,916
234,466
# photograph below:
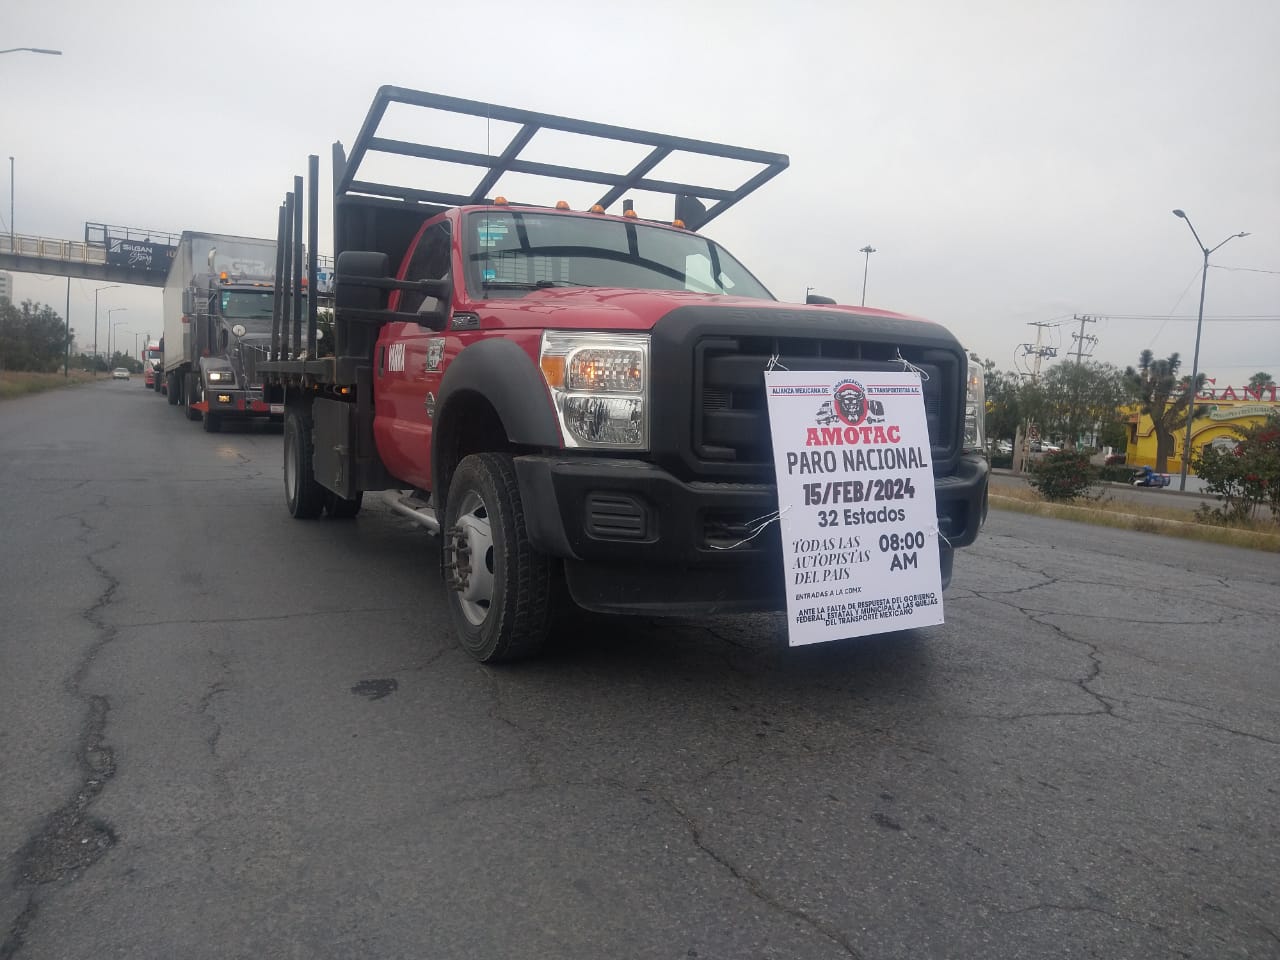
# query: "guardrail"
49,248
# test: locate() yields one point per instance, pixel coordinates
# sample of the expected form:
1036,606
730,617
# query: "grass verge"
18,383
1157,518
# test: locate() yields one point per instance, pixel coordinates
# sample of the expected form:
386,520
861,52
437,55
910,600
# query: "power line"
1243,269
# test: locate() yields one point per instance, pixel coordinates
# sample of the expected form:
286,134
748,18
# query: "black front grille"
709,416
731,418
251,354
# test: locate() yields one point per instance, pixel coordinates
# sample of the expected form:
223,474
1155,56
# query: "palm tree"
1162,395
1261,379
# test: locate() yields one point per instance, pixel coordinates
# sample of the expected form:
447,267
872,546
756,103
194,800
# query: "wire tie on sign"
907,365
774,364
757,526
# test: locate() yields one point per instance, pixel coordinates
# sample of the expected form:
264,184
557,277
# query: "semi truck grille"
251,354
731,420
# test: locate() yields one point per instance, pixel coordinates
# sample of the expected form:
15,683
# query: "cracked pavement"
225,733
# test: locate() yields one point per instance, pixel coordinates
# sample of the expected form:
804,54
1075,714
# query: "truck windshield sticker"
857,504
490,232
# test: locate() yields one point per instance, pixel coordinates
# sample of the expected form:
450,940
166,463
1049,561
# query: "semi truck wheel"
499,587
340,508
192,383
304,497
171,388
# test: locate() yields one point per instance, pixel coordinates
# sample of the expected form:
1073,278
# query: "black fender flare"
503,374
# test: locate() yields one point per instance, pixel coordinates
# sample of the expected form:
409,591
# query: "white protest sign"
855,493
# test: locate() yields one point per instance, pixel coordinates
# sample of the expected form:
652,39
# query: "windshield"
511,252
247,304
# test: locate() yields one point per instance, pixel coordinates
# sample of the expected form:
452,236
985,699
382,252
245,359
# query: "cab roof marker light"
596,208
678,224
630,214
562,204
499,201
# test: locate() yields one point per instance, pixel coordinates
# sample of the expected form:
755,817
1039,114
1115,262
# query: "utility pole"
1081,339
1039,351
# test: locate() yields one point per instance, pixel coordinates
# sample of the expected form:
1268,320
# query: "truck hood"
608,308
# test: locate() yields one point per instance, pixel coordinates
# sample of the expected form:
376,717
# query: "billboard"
143,255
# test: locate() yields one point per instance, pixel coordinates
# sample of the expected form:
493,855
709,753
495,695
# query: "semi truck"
152,366
218,301
572,399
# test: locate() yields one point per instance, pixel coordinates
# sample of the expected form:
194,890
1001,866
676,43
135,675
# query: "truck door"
409,363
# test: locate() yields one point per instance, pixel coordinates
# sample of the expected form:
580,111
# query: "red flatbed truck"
570,398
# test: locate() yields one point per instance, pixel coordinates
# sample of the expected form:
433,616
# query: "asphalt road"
226,734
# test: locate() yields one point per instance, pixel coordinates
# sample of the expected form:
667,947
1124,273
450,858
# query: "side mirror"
815,298
362,282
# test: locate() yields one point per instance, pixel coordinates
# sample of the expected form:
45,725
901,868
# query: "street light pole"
868,250
55,53
1195,357
12,249
113,286
111,326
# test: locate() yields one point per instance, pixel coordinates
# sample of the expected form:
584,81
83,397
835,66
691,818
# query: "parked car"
1114,459
1004,446
120,373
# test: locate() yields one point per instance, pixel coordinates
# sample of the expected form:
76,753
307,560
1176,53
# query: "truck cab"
575,399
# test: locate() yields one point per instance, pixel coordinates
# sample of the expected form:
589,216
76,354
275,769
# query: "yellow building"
1223,410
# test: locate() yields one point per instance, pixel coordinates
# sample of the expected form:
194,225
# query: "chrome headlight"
218,376
975,411
600,385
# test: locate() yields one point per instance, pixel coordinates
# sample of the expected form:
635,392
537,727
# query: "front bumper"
233,402
637,539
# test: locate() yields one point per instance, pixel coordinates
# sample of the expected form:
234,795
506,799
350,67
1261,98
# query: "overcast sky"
1010,161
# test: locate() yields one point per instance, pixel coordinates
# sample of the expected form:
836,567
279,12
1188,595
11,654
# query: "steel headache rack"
384,217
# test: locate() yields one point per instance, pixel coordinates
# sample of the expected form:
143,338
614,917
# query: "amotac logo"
850,406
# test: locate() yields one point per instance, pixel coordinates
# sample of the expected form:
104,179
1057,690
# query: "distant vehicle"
217,325
1146,477
1114,459
120,373
1004,446
151,370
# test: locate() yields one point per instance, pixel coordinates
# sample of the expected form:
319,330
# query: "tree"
1246,478
1162,395
1002,413
1261,379
1080,397
32,337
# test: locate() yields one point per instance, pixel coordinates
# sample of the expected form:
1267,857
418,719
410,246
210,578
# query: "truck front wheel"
304,497
499,586
191,381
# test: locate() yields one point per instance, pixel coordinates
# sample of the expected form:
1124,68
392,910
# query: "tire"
171,388
499,587
212,423
303,496
191,383
340,508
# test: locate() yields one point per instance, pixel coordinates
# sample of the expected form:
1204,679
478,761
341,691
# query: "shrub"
1245,479
1065,475
1116,473
1002,460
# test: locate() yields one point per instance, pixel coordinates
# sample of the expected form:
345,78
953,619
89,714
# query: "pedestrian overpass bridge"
107,252
110,253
